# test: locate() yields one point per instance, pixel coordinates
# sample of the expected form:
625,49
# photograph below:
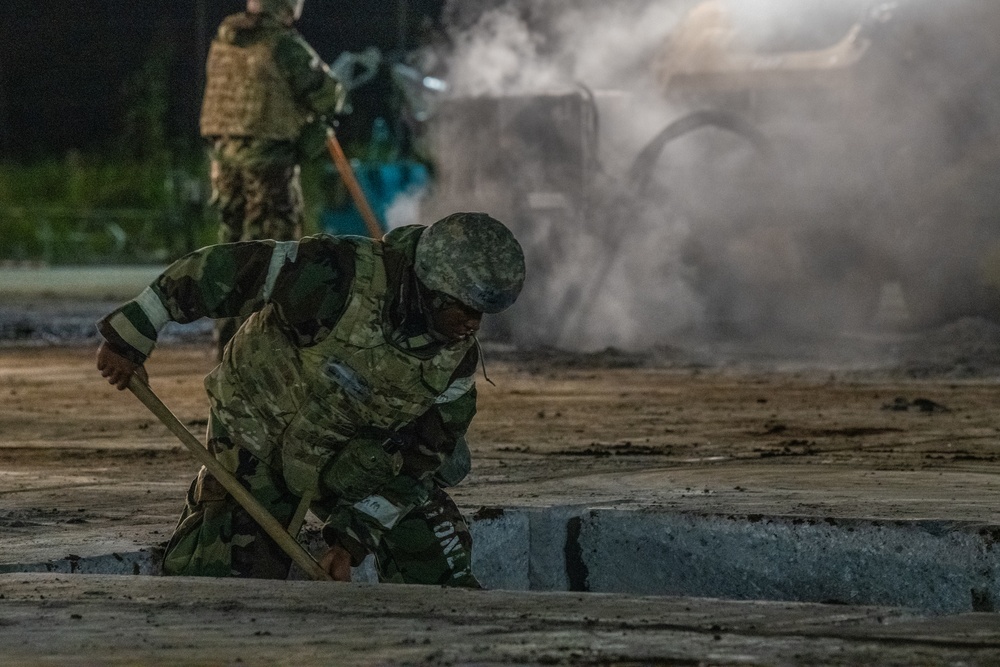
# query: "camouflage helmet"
472,258
276,7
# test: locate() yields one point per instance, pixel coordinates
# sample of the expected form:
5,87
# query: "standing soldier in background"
268,99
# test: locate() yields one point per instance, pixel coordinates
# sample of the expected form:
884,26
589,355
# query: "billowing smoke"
728,168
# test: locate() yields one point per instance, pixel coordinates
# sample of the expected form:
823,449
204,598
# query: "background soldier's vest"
267,391
246,95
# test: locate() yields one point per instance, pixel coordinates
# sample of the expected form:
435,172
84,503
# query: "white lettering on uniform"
450,545
444,529
379,509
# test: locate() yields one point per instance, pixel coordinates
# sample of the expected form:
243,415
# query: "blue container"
382,183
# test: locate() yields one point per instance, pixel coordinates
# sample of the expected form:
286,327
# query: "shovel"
275,530
351,181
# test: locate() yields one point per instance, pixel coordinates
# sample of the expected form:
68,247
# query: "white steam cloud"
833,151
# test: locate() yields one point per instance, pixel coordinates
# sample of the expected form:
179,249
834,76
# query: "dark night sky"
64,65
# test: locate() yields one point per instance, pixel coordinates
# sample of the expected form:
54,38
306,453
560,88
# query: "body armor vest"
246,95
303,404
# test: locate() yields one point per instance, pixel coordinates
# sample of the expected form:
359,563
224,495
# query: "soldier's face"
456,321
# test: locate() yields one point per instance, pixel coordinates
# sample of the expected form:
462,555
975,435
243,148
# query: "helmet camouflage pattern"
276,7
473,258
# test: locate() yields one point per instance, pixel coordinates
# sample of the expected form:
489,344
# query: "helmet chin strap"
433,304
426,305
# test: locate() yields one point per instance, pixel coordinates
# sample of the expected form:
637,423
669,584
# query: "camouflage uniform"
267,94
301,297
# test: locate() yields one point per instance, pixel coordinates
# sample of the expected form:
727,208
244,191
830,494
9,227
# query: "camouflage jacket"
307,290
314,91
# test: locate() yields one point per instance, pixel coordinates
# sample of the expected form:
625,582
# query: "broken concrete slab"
934,566
145,561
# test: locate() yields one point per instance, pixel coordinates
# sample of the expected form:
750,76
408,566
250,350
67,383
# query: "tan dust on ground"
74,449
83,466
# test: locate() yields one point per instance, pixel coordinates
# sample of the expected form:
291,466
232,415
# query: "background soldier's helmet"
276,7
472,258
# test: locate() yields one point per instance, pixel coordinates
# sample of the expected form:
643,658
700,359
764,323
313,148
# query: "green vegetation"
139,200
95,210
142,199
87,210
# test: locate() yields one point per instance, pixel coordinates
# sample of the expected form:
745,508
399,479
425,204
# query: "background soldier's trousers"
255,202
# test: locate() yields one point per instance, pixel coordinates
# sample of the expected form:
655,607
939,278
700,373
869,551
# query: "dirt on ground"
550,428
86,468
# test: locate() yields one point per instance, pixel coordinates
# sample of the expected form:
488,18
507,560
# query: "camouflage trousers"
216,537
255,202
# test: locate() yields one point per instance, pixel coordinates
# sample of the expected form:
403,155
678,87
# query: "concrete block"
501,547
138,562
939,567
555,564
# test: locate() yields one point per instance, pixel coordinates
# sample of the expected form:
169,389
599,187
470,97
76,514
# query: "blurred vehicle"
838,175
900,116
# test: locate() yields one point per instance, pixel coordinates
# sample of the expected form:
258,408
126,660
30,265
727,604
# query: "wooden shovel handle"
270,525
353,187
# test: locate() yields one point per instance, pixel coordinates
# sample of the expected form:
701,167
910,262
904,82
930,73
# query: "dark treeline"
90,76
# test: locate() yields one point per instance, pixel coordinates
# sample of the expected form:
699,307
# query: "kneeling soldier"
351,381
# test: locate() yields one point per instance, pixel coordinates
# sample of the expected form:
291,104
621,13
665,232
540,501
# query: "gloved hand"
311,143
368,461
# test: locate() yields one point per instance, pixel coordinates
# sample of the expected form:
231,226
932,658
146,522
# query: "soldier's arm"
218,281
310,294
435,444
307,281
313,84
